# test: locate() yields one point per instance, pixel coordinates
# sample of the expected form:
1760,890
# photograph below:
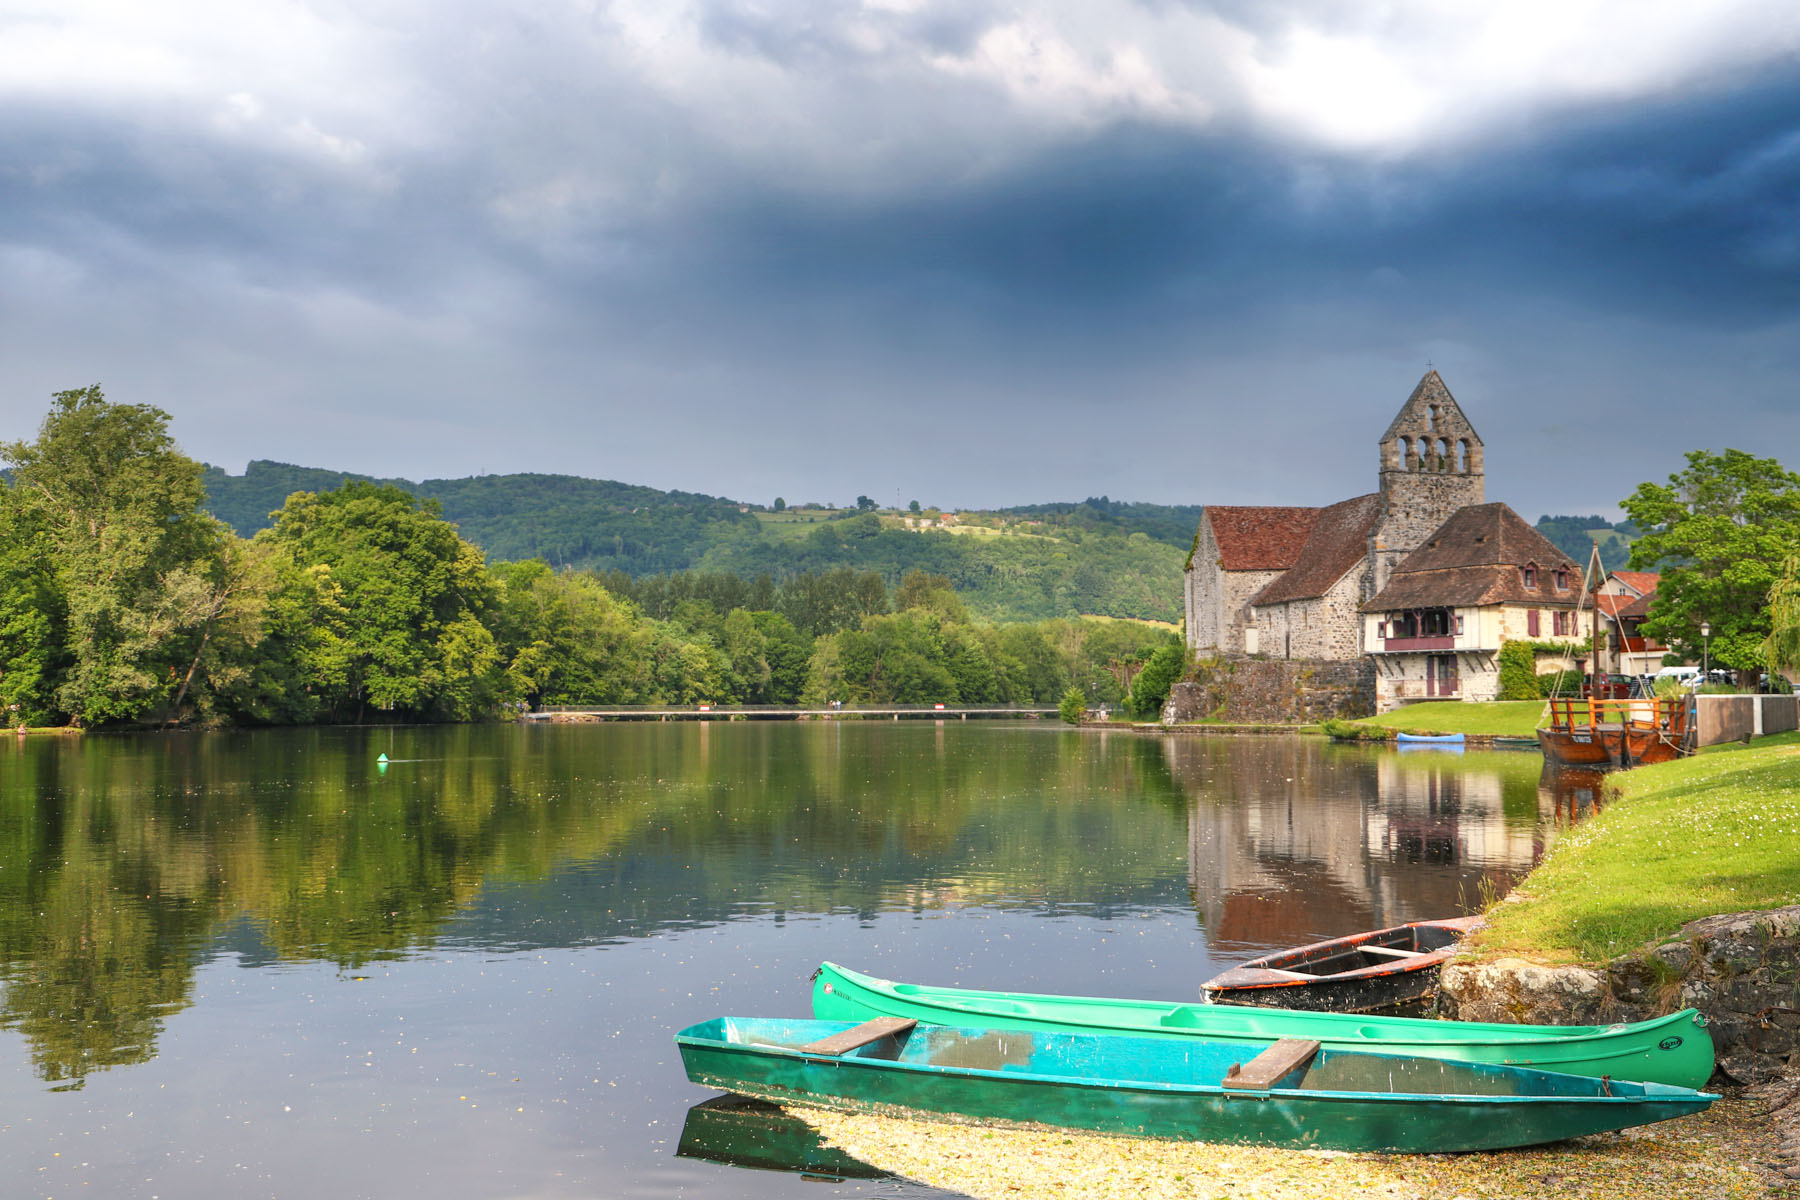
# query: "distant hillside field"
1575,536
1095,557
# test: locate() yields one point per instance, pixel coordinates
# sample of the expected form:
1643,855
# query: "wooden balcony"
1394,645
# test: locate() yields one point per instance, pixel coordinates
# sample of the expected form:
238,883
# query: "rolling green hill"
1574,535
1097,557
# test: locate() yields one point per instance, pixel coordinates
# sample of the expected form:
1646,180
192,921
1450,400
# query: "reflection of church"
1290,841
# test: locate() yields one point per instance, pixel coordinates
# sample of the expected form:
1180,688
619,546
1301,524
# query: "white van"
1687,677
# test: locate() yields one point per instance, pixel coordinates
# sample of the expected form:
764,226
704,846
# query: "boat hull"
1615,734
1363,972
1147,1087
1675,1050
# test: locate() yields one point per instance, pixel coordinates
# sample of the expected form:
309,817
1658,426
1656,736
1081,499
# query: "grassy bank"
1675,842
1499,718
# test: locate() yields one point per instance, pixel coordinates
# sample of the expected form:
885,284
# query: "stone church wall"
1275,691
1219,600
1327,626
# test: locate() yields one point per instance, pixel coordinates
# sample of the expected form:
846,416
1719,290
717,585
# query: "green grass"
1499,718
1674,842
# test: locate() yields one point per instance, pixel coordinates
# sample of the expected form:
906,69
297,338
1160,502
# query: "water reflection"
1292,841
128,863
736,1131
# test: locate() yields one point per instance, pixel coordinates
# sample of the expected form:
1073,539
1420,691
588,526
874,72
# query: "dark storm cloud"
780,249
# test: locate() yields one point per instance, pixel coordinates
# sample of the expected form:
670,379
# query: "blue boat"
1429,739
1294,1093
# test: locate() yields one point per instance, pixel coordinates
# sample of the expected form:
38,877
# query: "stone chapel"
1288,583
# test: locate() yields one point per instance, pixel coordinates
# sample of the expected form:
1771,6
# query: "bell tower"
1430,467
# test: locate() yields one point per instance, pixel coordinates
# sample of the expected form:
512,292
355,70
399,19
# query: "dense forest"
1097,557
124,602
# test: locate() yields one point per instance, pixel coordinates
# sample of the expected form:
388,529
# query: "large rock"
1521,993
1742,970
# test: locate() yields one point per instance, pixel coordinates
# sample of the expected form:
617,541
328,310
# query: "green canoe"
1676,1049
1291,1093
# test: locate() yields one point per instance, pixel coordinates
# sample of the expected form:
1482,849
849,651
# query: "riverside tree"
108,560
1717,532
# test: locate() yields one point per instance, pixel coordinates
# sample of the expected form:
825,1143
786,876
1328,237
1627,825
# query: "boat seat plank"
1393,950
861,1035
1261,1072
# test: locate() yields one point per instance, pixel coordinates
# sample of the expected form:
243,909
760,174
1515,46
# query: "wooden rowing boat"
1362,972
1676,1049
1294,1093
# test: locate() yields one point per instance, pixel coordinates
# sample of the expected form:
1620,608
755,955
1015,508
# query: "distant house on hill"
1481,579
1624,600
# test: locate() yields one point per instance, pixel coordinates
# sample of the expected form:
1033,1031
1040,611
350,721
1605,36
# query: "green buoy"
382,759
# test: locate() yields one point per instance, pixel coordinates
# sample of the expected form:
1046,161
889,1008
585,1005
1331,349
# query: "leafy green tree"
1151,687
32,617
414,594
913,506
114,507
780,504
786,651
1781,650
831,600
1717,533
865,504
932,593
1072,707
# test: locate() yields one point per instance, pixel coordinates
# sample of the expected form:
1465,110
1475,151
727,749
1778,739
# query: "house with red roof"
1623,600
1483,578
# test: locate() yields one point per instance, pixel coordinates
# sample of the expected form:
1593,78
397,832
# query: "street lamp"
1705,633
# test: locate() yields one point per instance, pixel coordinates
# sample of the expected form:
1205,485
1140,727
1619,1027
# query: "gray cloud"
972,254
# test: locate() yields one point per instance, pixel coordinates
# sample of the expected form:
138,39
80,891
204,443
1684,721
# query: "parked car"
1610,687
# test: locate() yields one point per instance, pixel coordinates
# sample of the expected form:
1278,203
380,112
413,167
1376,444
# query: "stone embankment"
1741,970
1271,691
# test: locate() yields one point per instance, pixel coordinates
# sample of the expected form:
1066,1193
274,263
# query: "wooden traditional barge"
1614,734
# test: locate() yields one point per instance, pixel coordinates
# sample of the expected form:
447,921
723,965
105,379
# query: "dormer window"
1529,573
1562,580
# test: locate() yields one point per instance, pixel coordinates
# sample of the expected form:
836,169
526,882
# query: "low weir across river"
576,715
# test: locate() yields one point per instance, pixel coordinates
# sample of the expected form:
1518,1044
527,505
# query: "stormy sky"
958,251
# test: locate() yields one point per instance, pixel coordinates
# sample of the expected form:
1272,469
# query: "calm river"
264,964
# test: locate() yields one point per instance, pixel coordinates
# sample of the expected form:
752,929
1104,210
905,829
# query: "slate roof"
1259,538
1473,559
1338,542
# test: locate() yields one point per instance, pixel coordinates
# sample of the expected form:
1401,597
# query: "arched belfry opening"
1430,466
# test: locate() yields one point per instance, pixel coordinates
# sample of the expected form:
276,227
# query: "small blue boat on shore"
1429,739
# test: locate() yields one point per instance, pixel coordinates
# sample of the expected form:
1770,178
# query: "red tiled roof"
1639,607
1610,604
1641,582
1339,541
1260,538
